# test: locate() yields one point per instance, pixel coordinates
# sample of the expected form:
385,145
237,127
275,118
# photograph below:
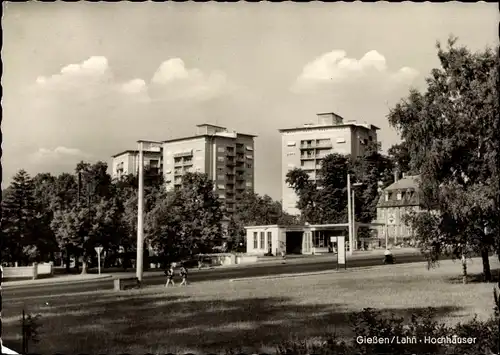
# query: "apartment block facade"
226,157
127,162
305,147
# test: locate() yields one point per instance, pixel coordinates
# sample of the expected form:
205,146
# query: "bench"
126,283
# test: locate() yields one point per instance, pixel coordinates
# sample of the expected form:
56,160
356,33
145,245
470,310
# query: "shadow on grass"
477,277
162,323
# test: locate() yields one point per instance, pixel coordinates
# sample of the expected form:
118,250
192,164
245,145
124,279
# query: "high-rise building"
226,157
305,147
127,162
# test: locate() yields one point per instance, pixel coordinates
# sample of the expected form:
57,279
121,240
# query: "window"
249,148
269,240
386,197
262,236
340,140
220,159
255,246
221,149
249,166
290,144
399,196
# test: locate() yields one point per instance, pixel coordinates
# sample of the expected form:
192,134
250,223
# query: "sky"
83,81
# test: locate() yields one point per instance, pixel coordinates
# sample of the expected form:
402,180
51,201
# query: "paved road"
17,292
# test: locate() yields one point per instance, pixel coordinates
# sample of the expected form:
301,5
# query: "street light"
354,230
140,208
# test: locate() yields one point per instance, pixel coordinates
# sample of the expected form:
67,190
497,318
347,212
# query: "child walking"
184,274
170,276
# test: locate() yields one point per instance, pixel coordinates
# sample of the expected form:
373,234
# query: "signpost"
98,250
341,252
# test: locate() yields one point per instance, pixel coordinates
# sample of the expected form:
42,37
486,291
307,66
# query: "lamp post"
354,229
349,212
140,207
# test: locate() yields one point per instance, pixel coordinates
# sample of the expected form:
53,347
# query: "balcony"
324,145
230,153
230,163
308,157
240,177
311,145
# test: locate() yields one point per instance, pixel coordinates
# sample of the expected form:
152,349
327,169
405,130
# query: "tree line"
65,217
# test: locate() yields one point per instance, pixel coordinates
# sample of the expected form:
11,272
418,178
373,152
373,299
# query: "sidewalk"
56,279
356,255
292,259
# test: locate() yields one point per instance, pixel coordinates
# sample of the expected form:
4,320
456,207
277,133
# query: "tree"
307,192
450,136
374,171
254,209
81,228
19,218
86,215
400,157
44,188
186,221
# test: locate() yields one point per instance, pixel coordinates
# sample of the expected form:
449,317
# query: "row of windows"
263,245
399,195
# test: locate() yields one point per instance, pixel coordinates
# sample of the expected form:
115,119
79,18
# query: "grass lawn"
251,315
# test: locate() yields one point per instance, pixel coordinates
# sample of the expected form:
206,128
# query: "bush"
409,338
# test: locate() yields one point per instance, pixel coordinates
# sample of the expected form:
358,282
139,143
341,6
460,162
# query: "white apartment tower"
226,157
127,162
305,147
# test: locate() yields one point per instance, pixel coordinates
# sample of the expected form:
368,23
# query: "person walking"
184,273
170,276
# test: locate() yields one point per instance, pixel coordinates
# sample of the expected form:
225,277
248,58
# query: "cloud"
91,71
173,81
335,68
44,155
93,78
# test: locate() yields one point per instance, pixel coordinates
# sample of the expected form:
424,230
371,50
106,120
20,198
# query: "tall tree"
44,188
307,193
374,171
332,196
400,157
186,221
449,131
19,218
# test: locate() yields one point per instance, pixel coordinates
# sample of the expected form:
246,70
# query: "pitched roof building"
396,201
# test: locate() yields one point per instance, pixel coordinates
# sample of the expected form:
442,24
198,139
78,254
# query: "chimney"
404,175
396,175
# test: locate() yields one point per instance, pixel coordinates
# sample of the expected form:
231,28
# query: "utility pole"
354,231
140,217
349,212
